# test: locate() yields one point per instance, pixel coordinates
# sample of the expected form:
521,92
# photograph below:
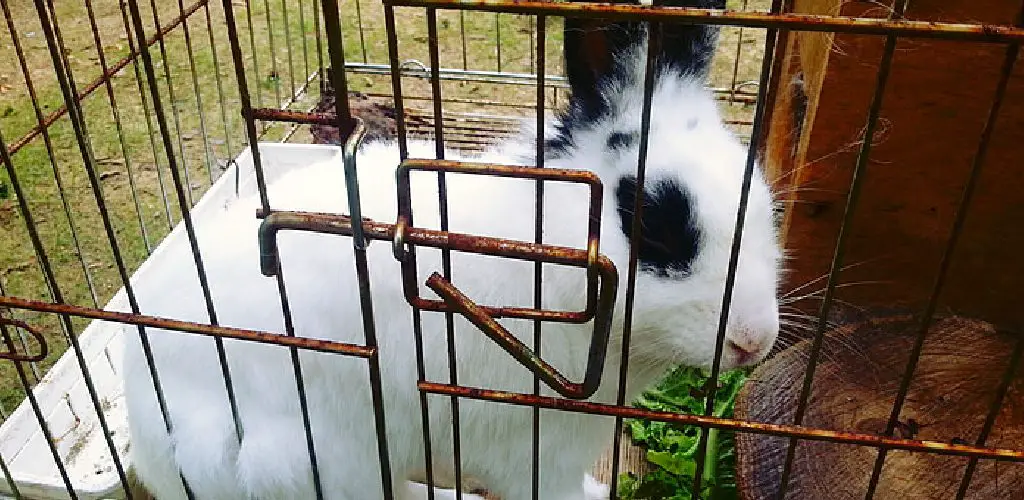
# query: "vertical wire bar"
538,237
174,104
273,55
36,373
774,79
47,141
1011,57
10,479
305,44
853,198
252,46
189,230
736,62
336,52
497,37
737,238
956,231
51,443
462,34
65,78
117,123
253,139
288,46
993,414
532,44
319,44
417,324
220,91
199,95
446,258
149,119
653,46
396,83
362,38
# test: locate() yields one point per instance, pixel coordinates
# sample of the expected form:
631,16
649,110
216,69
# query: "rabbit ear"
689,48
591,47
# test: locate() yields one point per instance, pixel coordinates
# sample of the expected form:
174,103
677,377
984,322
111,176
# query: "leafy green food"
672,449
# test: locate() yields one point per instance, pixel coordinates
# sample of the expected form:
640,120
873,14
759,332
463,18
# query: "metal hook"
12,354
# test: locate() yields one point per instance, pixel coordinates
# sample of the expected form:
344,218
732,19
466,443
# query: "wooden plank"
934,108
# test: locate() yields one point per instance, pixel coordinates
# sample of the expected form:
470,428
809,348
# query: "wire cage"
124,121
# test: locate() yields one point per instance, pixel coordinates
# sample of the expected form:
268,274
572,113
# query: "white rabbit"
693,180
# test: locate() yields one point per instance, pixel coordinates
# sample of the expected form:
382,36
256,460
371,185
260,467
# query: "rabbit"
692,189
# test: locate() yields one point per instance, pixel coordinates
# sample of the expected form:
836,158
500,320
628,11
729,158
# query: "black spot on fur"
670,238
622,140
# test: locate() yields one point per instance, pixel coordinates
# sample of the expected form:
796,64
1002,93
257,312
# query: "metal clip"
588,259
526,356
12,354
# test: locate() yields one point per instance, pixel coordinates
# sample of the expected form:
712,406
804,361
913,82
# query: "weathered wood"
855,384
935,106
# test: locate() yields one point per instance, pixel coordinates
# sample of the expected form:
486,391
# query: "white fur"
675,321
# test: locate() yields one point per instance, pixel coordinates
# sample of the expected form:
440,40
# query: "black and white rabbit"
692,189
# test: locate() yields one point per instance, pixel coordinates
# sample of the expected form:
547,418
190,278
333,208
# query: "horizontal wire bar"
992,33
807,433
226,332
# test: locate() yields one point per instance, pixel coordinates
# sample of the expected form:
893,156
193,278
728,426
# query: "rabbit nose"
747,343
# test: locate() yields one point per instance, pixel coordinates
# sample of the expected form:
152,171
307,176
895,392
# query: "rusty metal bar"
548,174
290,116
796,431
12,354
795,22
526,356
208,330
107,75
342,225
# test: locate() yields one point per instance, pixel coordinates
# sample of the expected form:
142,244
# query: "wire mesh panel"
126,126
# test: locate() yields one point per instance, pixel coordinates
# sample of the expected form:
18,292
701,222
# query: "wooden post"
935,106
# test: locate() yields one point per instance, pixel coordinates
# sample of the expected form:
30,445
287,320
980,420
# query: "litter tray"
62,395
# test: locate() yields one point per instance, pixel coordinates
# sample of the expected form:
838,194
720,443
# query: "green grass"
673,449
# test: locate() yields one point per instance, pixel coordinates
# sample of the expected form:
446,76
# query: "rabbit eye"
669,239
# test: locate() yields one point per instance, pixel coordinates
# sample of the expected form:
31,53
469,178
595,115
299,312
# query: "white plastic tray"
62,395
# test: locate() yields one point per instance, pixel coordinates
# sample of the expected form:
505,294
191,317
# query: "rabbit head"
691,190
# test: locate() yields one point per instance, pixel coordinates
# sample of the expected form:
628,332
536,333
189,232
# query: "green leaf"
677,464
672,448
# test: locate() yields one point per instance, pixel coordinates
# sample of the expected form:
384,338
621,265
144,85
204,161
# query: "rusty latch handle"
12,354
521,352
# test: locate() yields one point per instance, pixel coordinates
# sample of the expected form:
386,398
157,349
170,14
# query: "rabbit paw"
594,489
